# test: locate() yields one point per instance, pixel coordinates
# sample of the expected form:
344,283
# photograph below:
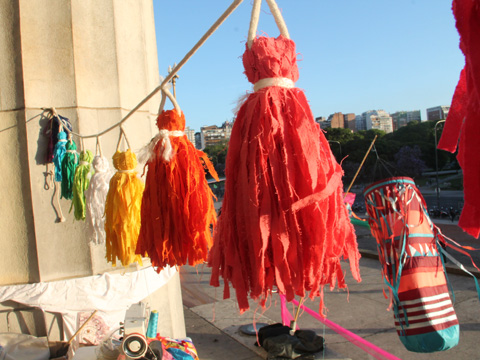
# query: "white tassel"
95,197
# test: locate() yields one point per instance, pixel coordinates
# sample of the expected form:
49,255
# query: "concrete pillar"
93,61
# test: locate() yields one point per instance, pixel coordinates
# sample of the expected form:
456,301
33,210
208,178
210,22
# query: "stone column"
93,61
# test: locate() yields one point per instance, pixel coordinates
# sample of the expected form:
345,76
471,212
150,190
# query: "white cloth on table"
110,294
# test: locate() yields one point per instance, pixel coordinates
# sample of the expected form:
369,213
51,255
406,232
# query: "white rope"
98,147
277,81
164,137
60,217
277,15
252,30
166,93
73,152
122,133
170,76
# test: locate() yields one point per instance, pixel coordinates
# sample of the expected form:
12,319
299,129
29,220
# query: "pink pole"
356,340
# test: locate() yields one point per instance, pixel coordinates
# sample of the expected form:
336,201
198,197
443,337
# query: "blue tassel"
59,153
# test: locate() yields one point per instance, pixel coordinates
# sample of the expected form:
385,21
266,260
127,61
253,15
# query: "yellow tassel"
122,210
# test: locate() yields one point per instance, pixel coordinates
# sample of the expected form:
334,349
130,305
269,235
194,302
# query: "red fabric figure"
463,120
283,222
177,206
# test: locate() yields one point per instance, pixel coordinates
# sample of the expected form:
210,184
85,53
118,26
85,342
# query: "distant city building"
323,122
360,123
402,118
399,119
382,121
213,135
349,121
414,115
227,128
198,140
336,120
437,113
190,133
377,119
366,122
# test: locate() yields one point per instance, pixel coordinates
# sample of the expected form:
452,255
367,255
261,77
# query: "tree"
408,161
339,134
217,155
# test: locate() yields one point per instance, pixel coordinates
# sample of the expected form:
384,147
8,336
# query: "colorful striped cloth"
413,269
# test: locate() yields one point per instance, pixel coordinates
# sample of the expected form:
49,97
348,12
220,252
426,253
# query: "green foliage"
217,155
350,148
416,134
339,134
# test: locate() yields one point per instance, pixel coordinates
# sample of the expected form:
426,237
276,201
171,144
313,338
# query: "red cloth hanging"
177,207
463,120
283,222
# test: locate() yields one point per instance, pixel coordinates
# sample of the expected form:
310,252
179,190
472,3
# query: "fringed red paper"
177,209
463,125
283,223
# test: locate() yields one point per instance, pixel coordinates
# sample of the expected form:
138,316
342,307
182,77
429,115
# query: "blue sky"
354,55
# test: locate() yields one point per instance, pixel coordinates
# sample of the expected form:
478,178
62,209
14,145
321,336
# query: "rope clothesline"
167,79
277,15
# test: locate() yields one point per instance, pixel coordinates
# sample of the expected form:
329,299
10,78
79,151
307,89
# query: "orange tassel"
178,211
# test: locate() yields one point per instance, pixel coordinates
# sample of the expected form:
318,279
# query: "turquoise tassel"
59,153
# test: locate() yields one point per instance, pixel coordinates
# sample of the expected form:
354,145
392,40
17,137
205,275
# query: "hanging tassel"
95,198
122,210
69,164
177,210
55,125
81,182
59,153
283,224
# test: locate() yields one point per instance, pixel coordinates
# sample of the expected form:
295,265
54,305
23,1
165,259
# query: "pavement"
214,323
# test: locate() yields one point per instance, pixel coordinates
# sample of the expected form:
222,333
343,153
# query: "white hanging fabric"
95,198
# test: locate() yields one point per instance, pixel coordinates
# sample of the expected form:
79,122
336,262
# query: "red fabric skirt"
178,212
463,126
283,222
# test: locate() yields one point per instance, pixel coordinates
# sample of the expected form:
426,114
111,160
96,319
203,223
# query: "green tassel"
81,182
69,164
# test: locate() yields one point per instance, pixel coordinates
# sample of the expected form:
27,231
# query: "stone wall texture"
93,61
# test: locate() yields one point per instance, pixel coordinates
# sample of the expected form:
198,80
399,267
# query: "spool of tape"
134,346
152,325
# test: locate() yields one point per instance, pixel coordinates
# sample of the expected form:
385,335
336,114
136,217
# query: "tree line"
408,151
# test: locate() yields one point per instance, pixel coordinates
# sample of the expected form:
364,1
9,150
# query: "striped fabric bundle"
412,267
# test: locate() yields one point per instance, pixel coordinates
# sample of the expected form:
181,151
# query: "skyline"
352,57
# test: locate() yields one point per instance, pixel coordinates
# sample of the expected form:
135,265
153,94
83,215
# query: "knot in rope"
164,137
